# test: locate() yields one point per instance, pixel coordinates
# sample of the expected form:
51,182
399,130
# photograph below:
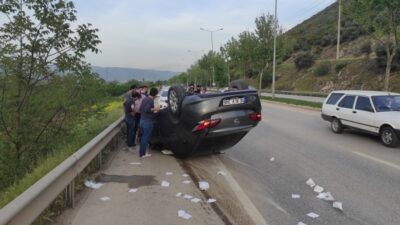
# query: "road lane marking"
251,209
378,160
272,202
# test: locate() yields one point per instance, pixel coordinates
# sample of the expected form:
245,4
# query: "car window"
334,98
386,103
347,102
364,104
164,94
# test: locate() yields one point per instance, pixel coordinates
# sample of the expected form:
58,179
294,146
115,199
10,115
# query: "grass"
81,135
315,105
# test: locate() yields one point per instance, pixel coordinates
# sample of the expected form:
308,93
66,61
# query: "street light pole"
212,51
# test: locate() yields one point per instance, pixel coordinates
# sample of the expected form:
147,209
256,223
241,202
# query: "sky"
166,35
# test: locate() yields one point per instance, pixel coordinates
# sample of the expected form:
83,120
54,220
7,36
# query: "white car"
372,111
162,100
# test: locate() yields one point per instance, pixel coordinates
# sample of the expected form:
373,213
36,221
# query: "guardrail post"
99,159
70,194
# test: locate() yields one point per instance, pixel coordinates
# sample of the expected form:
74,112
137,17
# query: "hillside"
358,67
125,74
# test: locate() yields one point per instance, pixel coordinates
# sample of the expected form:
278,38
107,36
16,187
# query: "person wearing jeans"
147,120
130,120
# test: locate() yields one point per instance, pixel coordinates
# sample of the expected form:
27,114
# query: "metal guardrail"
30,204
302,93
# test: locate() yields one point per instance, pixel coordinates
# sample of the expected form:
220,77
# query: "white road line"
272,202
378,160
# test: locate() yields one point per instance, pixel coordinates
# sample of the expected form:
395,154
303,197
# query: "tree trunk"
389,61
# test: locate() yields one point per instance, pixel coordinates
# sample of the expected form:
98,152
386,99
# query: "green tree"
381,20
44,82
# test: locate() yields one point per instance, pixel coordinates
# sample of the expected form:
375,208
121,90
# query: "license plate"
233,101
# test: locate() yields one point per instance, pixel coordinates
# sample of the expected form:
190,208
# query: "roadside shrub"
340,65
304,60
366,48
381,58
322,69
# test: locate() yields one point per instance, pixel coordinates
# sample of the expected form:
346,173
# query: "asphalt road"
354,167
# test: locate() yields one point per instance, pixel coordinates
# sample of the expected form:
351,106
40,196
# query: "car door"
345,110
364,115
330,104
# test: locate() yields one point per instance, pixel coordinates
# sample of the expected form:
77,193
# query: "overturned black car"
206,123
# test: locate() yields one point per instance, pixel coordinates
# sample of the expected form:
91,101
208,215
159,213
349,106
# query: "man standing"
148,113
128,94
130,119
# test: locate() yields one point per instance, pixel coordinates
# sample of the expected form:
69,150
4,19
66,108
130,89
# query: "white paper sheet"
310,182
164,183
183,214
313,215
203,185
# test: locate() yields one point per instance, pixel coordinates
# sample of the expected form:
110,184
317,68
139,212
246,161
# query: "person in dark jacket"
148,113
130,119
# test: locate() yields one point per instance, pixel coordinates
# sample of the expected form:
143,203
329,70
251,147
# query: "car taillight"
256,116
204,124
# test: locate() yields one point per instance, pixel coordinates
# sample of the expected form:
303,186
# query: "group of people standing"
192,90
140,112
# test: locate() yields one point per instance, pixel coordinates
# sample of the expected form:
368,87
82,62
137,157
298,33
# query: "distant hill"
125,74
357,68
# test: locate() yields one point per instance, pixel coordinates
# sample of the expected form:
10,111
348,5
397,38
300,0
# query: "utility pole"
212,51
274,58
338,34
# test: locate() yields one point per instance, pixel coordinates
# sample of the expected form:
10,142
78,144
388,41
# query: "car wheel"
239,85
176,94
389,137
336,126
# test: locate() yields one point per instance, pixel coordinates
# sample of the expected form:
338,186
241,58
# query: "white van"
371,111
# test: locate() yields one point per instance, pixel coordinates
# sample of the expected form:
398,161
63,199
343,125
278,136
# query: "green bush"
322,69
366,48
340,65
304,60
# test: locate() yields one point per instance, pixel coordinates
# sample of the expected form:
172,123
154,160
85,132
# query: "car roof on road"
365,93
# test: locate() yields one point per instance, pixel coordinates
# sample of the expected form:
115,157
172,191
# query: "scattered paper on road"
93,185
136,163
164,183
203,185
186,181
211,200
272,159
169,173
179,194
327,196
195,200
310,182
301,223
338,205
313,215
132,190
318,189
184,215
185,175
167,152
295,196
222,173
186,196
105,198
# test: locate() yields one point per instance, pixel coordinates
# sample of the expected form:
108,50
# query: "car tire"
176,94
239,85
389,137
336,126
